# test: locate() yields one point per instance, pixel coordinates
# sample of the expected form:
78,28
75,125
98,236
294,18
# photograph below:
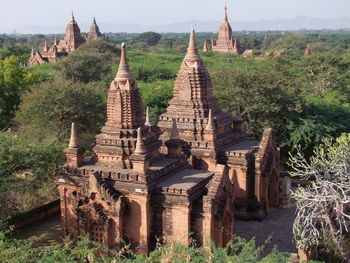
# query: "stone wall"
36,215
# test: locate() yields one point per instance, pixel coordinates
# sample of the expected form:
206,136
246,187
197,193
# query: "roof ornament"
174,131
124,72
74,141
210,125
148,122
140,146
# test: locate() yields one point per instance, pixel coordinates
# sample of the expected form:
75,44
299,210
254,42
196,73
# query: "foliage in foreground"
242,251
27,173
323,207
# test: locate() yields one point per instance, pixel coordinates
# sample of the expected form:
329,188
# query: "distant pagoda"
225,43
71,41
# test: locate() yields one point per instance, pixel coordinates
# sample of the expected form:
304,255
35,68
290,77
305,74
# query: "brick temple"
183,179
72,40
225,43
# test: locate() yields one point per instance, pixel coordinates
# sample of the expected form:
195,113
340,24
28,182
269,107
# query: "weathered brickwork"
171,181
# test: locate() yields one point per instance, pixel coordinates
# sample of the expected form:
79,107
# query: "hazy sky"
17,13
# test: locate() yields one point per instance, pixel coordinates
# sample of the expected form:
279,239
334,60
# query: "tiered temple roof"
94,32
117,142
192,102
73,38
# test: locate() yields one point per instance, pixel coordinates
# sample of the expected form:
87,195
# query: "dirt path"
278,224
50,232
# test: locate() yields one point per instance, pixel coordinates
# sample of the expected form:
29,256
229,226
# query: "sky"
18,13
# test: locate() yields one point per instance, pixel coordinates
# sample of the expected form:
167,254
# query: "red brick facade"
176,180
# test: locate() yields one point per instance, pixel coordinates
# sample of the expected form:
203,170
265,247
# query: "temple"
94,32
185,178
139,188
308,51
225,42
213,137
71,41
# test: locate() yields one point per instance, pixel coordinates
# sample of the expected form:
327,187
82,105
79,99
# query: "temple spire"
192,49
148,122
174,131
210,125
205,46
124,72
46,47
140,146
72,20
74,141
225,15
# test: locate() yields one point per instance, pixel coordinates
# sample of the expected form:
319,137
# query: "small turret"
148,121
140,146
74,141
174,144
141,158
205,46
210,126
74,153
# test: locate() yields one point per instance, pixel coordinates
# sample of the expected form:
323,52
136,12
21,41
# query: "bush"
92,61
49,108
27,173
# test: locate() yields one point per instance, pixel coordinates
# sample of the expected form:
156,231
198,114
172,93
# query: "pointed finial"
46,48
174,131
72,20
148,122
225,16
123,70
94,21
55,41
74,141
32,54
210,125
192,44
238,112
140,146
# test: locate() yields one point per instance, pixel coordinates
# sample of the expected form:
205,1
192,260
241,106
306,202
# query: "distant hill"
296,23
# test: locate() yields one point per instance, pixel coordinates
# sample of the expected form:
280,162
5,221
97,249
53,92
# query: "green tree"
13,82
268,99
20,51
151,38
92,61
51,107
